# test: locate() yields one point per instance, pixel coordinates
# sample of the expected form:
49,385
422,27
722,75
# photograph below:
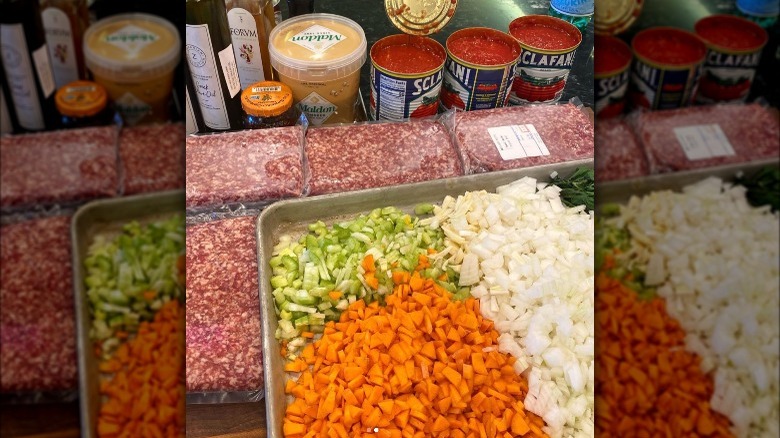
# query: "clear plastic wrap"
224,356
151,158
252,167
522,136
378,154
58,167
706,136
37,322
618,154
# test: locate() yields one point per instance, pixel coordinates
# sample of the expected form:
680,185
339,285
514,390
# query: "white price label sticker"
700,142
229,69
43,68
518,141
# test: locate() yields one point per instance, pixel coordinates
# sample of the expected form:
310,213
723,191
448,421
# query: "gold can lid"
420,17
266,99
81,99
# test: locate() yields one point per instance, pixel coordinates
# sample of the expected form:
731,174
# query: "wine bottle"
6,126
26,65
212,64
64,22
193,117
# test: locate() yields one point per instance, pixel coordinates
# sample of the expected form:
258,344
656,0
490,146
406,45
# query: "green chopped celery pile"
327,259
614,241
122,271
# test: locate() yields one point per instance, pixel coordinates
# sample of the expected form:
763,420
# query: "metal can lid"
266,99
612,17
420,17
81,99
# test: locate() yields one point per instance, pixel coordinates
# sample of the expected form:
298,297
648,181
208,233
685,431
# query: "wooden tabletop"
230,420
61,420
47,420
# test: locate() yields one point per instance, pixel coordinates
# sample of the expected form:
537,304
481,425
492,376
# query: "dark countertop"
470,13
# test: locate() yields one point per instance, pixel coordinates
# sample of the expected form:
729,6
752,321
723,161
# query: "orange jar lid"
266,99
81,99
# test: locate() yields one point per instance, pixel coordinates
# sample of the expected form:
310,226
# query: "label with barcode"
275,89
700,142
518,141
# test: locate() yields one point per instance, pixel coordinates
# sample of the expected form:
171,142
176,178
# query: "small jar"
268,104
82,104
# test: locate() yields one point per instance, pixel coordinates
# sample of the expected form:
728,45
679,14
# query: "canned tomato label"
612,59
734,48
479,70
406,77
548,45
667,67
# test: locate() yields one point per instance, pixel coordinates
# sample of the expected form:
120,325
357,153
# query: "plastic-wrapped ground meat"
152,158
223,308
63,167
260,165
618,154
37,326
355,157
529,135
690,138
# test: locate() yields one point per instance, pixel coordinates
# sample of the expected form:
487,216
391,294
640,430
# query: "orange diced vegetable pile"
647,384
145,395
423,365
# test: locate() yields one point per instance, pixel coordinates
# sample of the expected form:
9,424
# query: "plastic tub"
133,56
667,67
549,45
734,48
480,68
612,59
319,57
406,74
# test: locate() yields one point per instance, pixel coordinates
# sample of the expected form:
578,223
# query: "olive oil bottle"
64,22
212,64
251,22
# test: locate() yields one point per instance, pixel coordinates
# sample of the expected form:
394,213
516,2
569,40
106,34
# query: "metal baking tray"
105,217
292,216
621,191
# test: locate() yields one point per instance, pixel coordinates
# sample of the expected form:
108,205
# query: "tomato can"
612,59
667,67
406,77
548,45
734,48
480,68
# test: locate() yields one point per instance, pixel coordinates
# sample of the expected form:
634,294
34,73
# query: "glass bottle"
192,114
250,23
26,65
6,126
64,22
577,12
268,104
300,7
277,12
212,64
